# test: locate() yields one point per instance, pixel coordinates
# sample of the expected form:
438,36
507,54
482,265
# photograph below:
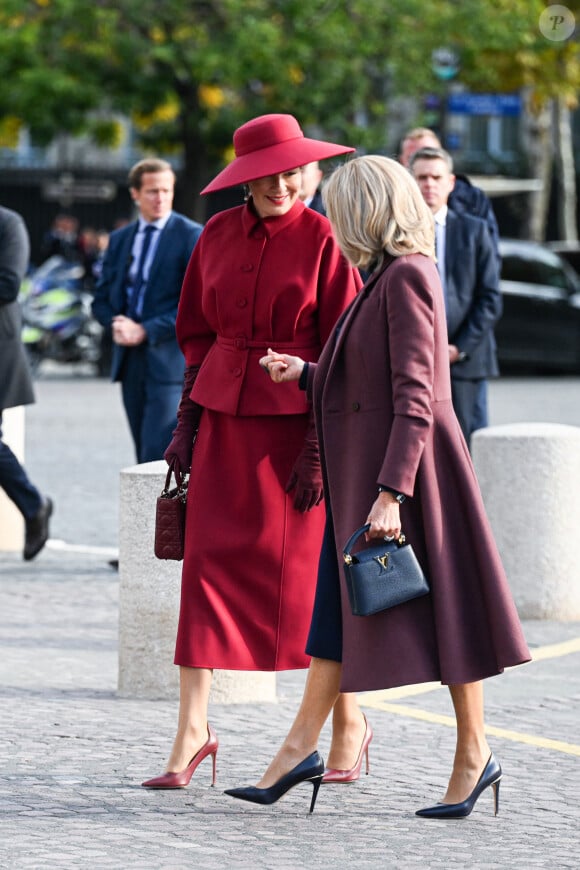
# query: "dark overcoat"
473,298
15,379
383,408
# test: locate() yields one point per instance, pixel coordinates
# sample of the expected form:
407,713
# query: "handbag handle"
346,553
179,478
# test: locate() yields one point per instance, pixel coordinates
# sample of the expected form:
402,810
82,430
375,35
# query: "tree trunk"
567,227
540,150
193,179
195,161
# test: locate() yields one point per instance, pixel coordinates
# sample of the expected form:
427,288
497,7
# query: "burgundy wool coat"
382,400
249,571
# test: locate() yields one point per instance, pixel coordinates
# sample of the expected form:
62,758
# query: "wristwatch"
399,496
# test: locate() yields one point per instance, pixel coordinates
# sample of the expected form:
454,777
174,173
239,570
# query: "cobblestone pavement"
73,753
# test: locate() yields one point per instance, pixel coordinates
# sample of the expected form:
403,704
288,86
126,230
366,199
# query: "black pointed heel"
491,776
309,770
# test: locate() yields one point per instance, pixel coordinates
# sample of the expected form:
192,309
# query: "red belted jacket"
252,284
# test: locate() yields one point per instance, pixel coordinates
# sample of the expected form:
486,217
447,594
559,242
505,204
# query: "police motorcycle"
57,322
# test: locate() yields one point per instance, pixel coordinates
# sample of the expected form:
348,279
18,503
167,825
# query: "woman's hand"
281,367
384,517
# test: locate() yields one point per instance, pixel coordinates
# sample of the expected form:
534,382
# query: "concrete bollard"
149,591
11,521
529,474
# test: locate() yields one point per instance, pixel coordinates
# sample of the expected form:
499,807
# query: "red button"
248,267
241,302
237,372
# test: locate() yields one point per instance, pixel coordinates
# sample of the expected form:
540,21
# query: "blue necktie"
136,299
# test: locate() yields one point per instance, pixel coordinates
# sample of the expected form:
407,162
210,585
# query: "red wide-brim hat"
270,144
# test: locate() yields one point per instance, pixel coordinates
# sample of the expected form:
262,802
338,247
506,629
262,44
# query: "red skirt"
250,566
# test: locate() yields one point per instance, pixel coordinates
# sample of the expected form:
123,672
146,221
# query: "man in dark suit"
137,297
15,381
465,198
310,194
469,274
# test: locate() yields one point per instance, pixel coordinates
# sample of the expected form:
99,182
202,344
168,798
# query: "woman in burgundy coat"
393,456
269,271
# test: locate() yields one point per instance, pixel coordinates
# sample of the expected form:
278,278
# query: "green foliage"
190,71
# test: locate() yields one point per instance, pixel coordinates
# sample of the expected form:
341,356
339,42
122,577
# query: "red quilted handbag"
170,518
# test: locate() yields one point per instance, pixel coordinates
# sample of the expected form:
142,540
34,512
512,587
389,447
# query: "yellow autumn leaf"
296,75
162,114
211,96
10,127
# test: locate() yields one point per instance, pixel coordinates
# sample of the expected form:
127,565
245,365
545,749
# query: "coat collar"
252,223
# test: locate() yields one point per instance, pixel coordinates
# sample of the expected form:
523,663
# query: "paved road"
73,753
77,440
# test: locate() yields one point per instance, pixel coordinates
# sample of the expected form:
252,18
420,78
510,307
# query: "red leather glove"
188,416
306,476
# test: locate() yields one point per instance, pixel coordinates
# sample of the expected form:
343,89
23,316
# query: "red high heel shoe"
332,775
182,777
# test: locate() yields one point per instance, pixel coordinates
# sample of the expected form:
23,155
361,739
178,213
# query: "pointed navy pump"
309,770
491,776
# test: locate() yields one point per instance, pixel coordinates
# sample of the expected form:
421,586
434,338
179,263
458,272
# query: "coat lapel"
450,245
124,260
345,322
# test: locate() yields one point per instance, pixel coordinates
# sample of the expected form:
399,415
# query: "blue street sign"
484,104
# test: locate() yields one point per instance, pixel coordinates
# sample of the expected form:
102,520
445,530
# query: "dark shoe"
333,775
309,770
182,778
490,777
37,530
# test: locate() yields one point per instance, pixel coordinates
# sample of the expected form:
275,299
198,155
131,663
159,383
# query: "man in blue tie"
469,271
137,297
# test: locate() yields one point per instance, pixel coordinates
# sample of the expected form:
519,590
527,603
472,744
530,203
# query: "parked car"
540,326
569,251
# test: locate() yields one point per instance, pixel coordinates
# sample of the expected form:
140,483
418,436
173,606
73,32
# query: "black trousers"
467,403
15,482
150,405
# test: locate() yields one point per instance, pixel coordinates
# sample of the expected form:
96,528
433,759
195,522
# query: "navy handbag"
382,575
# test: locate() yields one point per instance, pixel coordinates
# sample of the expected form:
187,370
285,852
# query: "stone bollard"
529,474
11,521
149,605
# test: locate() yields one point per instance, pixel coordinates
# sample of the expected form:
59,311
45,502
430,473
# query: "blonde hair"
376,208
421,133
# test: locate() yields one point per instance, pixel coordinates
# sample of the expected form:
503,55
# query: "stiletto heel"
182,778
495,787
315,787
309,770
332,775
490,777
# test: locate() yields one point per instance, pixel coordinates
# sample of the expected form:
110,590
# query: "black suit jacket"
473,297
15,379
316,203
178,237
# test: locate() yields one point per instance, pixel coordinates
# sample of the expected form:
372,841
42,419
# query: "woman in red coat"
393,455
266,272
